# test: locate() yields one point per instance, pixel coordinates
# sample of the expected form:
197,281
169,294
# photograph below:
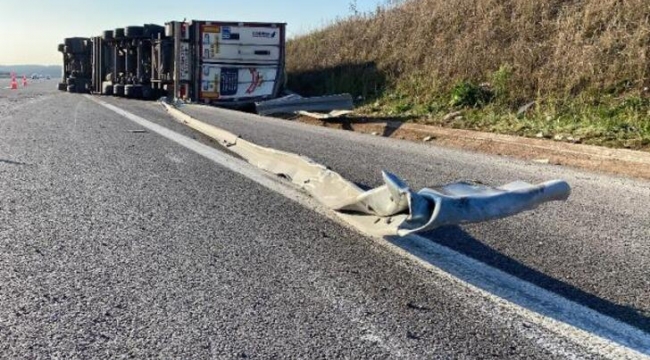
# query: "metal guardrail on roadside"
293,103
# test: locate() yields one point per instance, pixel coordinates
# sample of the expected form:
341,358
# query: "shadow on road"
456,239
10,162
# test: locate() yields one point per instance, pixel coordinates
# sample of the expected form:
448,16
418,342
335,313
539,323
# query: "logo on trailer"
264,34
227,34
257,80
229,81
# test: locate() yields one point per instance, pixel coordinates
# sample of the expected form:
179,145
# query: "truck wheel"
118,33
118,90
75,45
133,91
147,92
134,31
151,31
72,88
62,86
82,85
107,88
136,92
108,35
128,90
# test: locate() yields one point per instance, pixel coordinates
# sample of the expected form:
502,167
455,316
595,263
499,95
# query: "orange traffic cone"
24,81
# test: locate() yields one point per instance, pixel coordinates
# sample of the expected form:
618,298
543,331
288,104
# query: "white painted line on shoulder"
588,328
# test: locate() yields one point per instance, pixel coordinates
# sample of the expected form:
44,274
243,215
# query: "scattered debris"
294,103
428,138
558,137
403,210
415,306
138,131
526,108
542,161
540,135
412,335
453,115
375,133
331,115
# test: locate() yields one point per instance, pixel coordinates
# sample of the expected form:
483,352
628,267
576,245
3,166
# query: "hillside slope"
557,46
420,56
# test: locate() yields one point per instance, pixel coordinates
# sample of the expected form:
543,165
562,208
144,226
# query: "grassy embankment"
585,64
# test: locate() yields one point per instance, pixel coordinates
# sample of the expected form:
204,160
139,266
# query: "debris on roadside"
526,108
331,115
294,103
402,210
452,116
428,139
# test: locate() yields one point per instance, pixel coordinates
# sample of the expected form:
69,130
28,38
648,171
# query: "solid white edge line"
588,328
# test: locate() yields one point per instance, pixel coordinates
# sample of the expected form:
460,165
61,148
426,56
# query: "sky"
30,30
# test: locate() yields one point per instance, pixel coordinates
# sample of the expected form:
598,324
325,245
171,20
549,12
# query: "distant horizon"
29,69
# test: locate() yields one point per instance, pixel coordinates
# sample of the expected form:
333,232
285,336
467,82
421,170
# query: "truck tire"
62,86
128,90
133,91
118,33
107,88
61,47
147,92
72,88
118,90
82,85
75,45
134,31
107,35
151,31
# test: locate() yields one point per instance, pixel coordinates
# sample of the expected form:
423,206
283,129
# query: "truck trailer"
229,64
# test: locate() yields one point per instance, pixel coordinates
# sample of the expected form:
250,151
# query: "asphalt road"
593,249
118,243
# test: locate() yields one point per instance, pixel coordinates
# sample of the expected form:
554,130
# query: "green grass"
620,122
584,62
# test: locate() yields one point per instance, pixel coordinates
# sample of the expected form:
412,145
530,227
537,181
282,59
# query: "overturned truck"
218,63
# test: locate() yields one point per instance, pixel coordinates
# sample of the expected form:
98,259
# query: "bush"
467,94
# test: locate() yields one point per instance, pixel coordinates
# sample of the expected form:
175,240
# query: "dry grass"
570,52
556,47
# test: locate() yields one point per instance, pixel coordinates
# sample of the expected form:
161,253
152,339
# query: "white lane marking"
598,333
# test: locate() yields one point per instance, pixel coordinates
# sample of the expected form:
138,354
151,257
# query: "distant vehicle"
228,64
35,76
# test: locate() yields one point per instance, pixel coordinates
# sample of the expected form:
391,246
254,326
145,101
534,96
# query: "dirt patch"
613,161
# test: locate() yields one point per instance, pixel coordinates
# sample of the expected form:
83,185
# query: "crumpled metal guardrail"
393,208
293,103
